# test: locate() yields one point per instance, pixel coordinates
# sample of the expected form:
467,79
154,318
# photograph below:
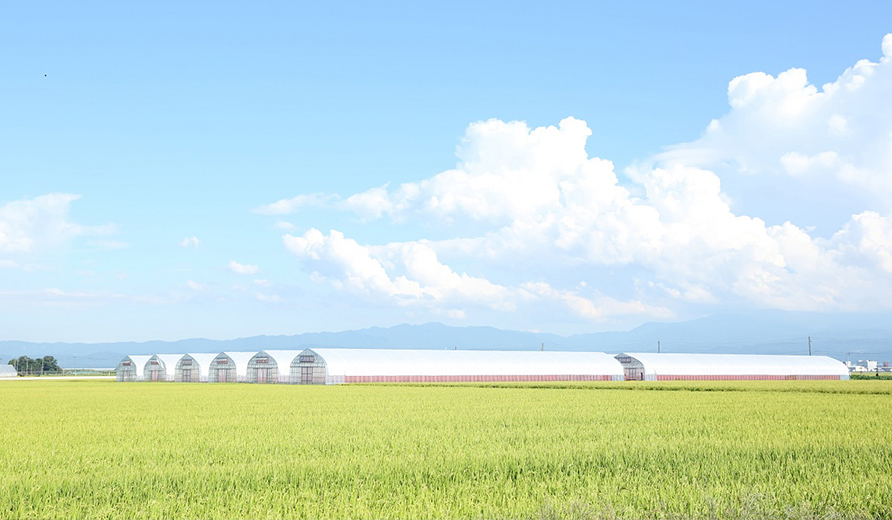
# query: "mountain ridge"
775,332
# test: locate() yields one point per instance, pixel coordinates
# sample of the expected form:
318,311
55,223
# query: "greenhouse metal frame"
162,367
271,366
229,367
131,368
193,368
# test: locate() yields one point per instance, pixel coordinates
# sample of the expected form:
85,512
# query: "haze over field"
565,170
844,337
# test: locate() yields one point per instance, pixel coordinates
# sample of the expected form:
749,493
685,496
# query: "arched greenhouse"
334,366
131,368
193,368
229,367
161,367
271,366
665,367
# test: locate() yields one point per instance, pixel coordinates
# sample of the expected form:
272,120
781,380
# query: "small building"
334,366
193,368
271,366
229,367
131,368
162,367
641,366
8,371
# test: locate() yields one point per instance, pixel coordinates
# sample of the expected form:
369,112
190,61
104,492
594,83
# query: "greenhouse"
666,367
161,367
229,367
8,371
271,366
334,366
193,368
131,368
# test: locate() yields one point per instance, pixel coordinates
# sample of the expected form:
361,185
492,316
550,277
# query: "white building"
333,366
193,368
271,366
229,367
162,367
131,368
664,367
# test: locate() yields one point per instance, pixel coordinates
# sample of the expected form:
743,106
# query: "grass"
787,449
871,375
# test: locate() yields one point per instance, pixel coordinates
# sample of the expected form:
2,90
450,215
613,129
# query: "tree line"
44,365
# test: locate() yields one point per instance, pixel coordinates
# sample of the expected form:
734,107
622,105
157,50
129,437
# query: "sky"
223,170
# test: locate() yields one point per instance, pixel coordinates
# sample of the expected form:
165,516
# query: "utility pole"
543,346
658,346
809,345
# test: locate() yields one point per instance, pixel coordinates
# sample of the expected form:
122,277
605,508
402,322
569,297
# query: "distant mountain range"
860,336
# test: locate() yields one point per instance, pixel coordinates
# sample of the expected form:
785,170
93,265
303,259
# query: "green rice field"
704,450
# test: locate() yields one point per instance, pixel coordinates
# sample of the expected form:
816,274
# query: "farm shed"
334,366
271,366
229,367
193,368
162,367
666,367
131,368
8,371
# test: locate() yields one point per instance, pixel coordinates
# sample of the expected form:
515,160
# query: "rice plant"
786,449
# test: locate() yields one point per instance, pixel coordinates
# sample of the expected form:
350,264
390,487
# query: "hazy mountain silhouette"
863,335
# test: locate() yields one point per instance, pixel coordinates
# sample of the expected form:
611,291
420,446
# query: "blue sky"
224,170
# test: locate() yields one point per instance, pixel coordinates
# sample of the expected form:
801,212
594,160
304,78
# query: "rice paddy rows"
761,450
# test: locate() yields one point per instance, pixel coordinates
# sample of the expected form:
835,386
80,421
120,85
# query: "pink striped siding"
472,379
745,378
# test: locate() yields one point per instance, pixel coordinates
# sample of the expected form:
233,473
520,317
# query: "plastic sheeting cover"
169,361
138,364
738,364
203,361
8,371
240,359
392,362
283,359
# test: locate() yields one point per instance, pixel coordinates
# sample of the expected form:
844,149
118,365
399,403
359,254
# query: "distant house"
8,371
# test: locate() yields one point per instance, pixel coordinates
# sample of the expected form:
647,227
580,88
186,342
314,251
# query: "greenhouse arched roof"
396,362
738,364
204,363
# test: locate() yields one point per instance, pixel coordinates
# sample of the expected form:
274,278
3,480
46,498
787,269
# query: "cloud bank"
32,225
532,216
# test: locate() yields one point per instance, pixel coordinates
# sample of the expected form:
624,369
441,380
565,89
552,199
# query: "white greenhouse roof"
283,359
386,362
8,371
738,364
204,363
240,359
139,364
169,361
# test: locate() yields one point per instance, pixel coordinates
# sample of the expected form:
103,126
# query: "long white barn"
193,368
339,365
131,368
647,366
334,366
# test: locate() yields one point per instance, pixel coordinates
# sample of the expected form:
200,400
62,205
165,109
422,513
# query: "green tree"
27,366
50,364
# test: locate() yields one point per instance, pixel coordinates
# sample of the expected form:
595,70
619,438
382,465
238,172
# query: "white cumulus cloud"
238,268
529,212
42,222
